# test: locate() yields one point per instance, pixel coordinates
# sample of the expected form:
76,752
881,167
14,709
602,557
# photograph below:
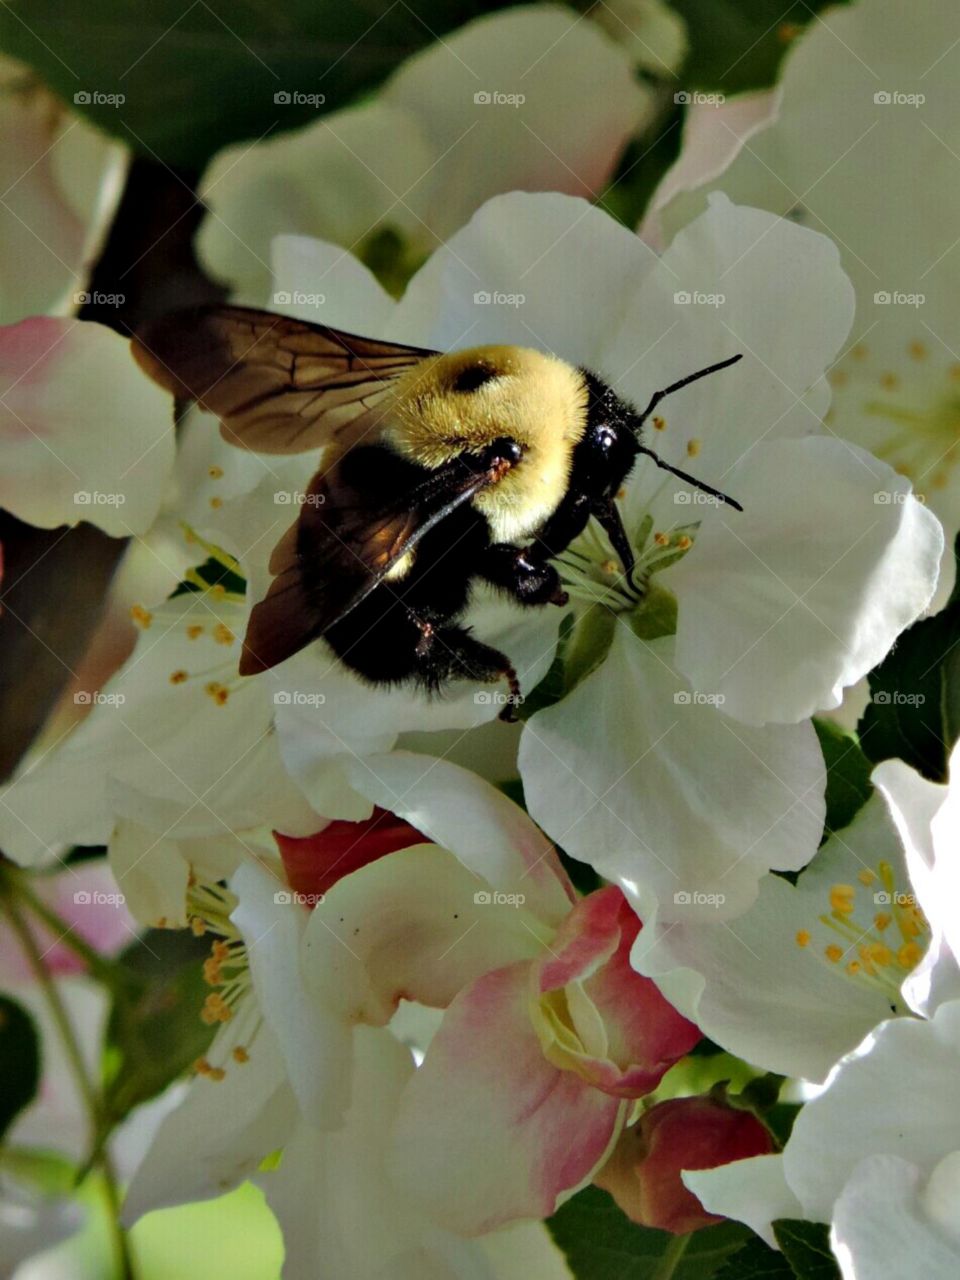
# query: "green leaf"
737,45
19,1060
755,1261
154,1032
848,774
914,711
193,78
601,1243
806,1246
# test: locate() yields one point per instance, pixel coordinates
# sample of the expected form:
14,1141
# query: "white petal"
718,291
85,435
416,925
326,1183
61,179
219,1134
785,604
316,1047
340,179
855,1116
750,987
713,136
880,1230
152,872
920,809
642,786
546,271
550,129
490,835
325,284
753,1191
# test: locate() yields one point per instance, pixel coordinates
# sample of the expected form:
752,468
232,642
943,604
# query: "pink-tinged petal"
488,1130
314,864
464,813
85,435
417,926
625,1034
644,1173
713,137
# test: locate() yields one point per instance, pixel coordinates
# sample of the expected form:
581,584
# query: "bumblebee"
437,470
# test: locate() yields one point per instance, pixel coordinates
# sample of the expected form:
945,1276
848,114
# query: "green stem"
99,967
74,1054
671,1258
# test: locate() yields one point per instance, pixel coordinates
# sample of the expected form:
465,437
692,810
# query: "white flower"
877,1155
288,1069
779,607
862,144
811,968
85,435
887,1119
61,180
512,100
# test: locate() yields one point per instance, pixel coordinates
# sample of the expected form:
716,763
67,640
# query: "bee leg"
527,577
445,653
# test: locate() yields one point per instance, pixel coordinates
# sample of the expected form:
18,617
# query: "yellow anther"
179,676
803,937
859,352
889,381
841,899
867,877
877,953
833,952
240,1054
854,967
194,630
216,1074
610,566
684,543
659,423
693,448
216,503
882,920
197,926
215,473
838,377
222,634
917,350
662,539
218,692
909,955
141,616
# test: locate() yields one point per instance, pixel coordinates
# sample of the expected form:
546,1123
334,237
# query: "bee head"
459,403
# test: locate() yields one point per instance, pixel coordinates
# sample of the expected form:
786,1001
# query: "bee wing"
340,548
277,385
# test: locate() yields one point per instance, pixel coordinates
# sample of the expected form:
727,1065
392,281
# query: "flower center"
593,575
919,418
874,932
227,971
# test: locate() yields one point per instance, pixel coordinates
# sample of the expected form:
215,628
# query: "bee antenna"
662,395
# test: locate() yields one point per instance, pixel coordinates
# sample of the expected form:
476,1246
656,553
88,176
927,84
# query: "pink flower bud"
643,1174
